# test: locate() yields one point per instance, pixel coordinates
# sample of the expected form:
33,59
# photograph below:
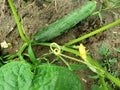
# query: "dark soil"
36,14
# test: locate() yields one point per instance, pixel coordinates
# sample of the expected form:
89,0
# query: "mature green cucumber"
60,26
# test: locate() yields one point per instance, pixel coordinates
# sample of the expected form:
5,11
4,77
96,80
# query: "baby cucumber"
60,26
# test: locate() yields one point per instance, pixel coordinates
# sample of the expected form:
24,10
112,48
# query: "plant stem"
72,58
113,79
93,33
65,62
43,44
18,21
70,50
63,48
104,86
11,56
22,48
21,51
114,7
93,63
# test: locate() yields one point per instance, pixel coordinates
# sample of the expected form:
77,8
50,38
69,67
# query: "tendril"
55,48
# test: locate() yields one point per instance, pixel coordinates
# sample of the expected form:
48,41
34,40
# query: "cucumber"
60,26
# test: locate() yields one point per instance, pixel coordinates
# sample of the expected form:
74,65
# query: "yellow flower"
83,52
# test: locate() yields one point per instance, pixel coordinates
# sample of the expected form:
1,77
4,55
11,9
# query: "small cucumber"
60,26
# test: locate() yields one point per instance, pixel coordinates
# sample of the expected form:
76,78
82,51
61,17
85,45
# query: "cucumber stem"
21,51
106,74
67,49
93,33
22,48
113,79
104,86
17,21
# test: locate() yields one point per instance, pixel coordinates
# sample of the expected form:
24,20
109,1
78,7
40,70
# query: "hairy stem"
113,79
93,33
102,80
17,21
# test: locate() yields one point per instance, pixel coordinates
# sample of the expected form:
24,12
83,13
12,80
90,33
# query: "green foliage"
109,6
117,50
98,87
112,60
111,3
18,75
15,76
1,61
49,77
77,66
104,51
93,76
31,55
108,62
95,87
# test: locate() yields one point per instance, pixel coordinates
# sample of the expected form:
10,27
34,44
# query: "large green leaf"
50,77
17,75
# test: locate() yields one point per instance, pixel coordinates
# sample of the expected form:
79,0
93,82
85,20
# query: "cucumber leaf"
95,87
18,75
15,76
50,77
78,67
31,55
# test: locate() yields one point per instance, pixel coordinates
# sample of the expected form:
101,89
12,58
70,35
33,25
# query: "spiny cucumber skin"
60,26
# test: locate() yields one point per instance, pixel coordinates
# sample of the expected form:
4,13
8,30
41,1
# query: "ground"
36,14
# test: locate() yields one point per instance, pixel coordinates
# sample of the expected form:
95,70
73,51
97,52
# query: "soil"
36,14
